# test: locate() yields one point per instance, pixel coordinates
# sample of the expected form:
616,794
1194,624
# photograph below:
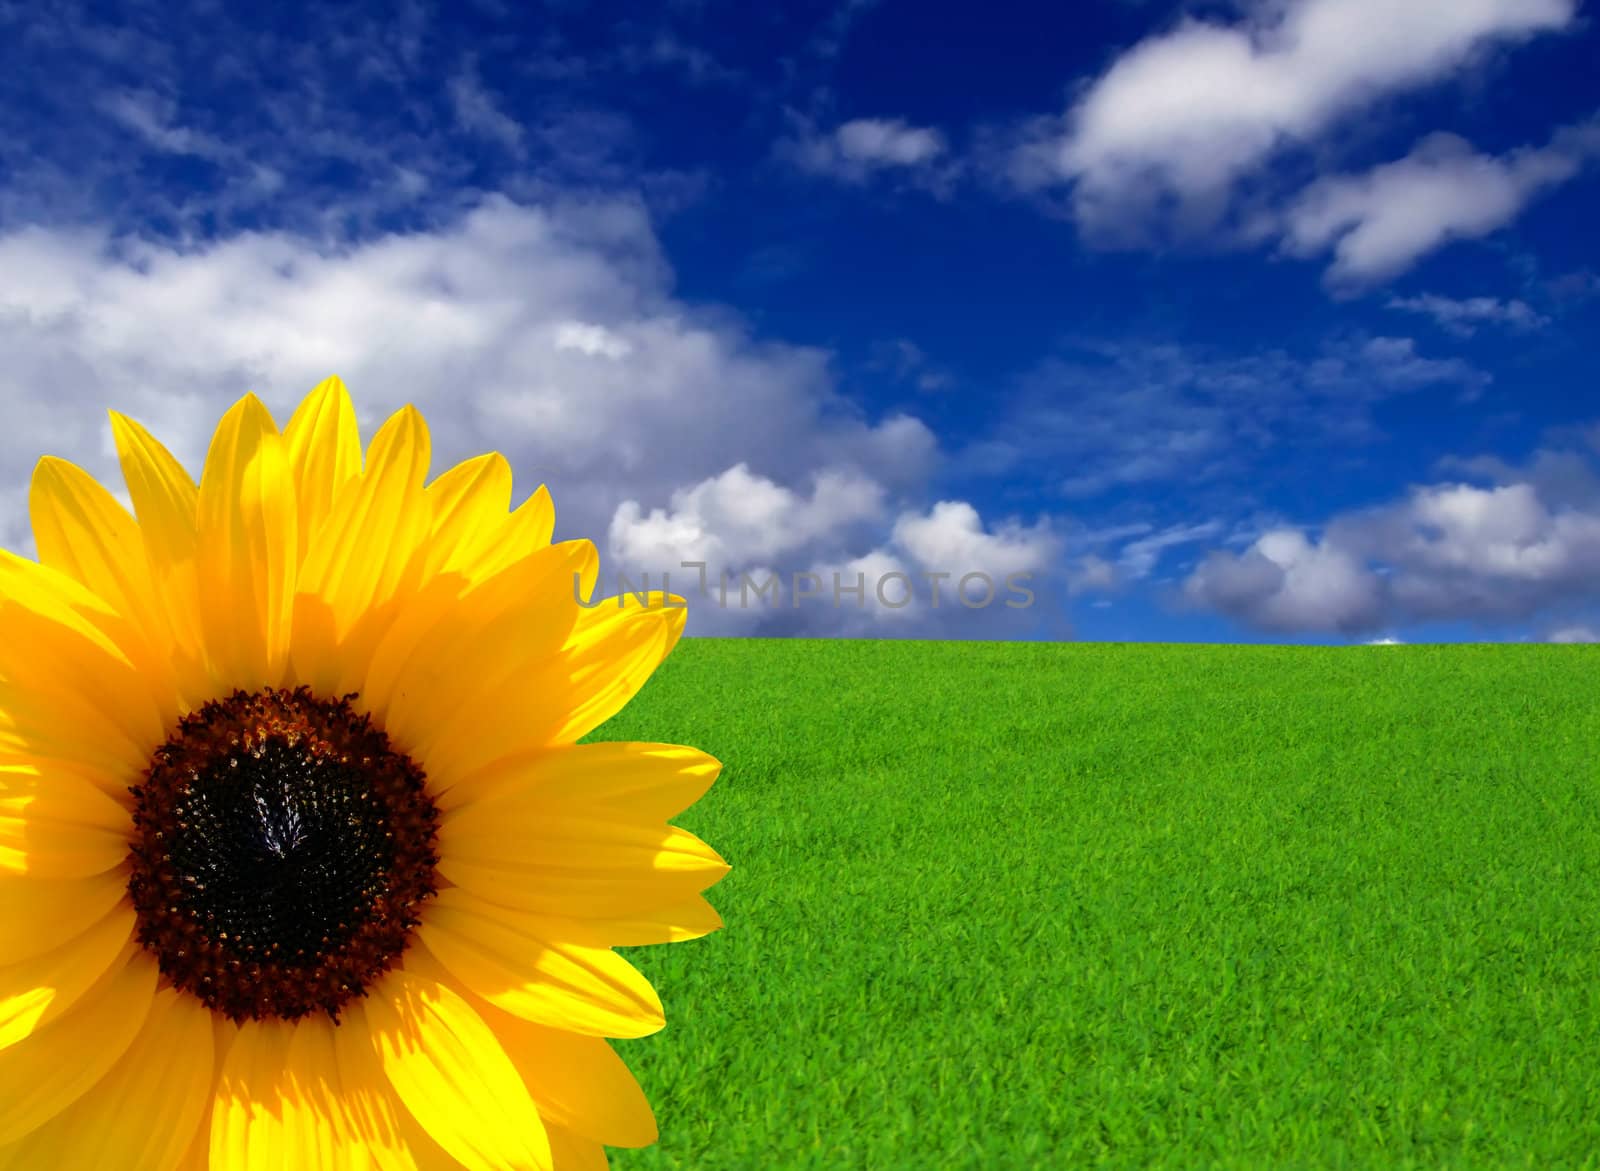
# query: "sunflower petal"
38,990
449,1070
648,782
47,729
64,642
537,699
81,530
55,825
432,683
379,1121
614,649
362,554
258,1110
324,454
223,1034
577,1082
145,1111
285,1100
248,561
522,964
572,862
52,1068
470,502
40,914
166,502
573,1153
529,528
690,919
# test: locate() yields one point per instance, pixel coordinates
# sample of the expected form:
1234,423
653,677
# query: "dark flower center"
281,848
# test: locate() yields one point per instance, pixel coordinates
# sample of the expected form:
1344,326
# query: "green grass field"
1009,905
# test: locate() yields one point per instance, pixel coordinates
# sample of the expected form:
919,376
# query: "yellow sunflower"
300,864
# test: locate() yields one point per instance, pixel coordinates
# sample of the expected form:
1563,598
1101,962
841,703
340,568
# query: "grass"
1068,905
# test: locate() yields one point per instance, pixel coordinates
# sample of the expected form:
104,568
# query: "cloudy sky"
1265,321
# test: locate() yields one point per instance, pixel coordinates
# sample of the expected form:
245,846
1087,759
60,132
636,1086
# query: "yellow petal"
381,1122
56,825
285,1100
247,560
324,453
517,962
528,530
520,690
66,644
573,1153
615,648
47,730
649,782
470,504
52,1068
40,914
689,919
452,1075
577,1082
257,1112
573,862
81,530
145,1111
432,683
166,502
38,990
223,1034
362,555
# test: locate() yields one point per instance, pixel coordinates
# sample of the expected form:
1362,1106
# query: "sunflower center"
281,848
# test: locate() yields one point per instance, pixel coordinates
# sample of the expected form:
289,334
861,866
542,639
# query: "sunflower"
301,865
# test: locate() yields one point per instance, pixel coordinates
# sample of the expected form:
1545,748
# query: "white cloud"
1138,557
887,142
950,538
1386,642
1449,551
1462,316
1285,583
737,519
594,340
859,149
546,333
150,117
477,111
1091,573
777,562
1178,124
1379,224
965,580
1106,415
1575,634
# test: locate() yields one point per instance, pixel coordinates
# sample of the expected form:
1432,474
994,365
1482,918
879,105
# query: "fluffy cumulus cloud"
1523,547
1285,583
736,519
1179,127
547,333
996,581
765,559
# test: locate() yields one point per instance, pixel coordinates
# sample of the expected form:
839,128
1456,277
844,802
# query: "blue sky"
1256,322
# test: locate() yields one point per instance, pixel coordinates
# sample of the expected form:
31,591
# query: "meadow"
1012,905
